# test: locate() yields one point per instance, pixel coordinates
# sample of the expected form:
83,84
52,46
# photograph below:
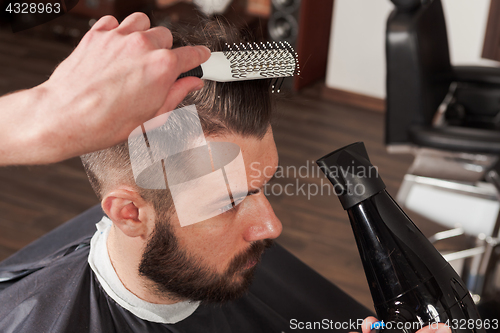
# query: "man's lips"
250,259
252,262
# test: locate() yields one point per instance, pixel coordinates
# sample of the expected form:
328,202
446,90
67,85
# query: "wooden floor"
34,200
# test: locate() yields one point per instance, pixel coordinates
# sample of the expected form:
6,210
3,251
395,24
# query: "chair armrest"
477,74
461,139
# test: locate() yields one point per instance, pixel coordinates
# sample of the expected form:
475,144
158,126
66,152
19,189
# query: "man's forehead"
169,154
255,150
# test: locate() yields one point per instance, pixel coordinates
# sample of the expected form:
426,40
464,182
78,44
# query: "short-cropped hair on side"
244,108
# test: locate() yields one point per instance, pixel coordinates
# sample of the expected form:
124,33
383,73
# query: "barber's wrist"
36,140
55,125
38,134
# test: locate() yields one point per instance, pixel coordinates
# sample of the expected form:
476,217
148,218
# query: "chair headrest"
407,5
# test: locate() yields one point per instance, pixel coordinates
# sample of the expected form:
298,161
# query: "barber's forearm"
17,134
28,134
118,77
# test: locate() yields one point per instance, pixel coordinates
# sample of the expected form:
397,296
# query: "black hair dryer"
411,284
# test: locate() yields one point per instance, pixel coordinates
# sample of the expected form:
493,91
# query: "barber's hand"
118,77
440,328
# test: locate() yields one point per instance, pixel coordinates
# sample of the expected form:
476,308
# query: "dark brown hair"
242,108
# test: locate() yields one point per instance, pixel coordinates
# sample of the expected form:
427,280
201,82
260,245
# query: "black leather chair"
449,118
419,76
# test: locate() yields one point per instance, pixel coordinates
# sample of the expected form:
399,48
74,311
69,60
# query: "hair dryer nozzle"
353,176
409,280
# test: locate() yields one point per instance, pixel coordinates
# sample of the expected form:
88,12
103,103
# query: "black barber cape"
49,287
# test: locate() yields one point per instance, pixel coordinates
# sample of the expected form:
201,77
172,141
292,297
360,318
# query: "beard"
176,274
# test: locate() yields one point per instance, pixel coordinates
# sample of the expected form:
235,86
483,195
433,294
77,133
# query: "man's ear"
129,212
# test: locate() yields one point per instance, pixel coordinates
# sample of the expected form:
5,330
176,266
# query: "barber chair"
449,118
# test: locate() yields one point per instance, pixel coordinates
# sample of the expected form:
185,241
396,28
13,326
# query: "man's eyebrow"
255,191
250,192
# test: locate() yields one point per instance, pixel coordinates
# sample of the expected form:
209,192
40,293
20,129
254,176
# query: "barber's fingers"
178,92
171,63
134,22
161,37
189,57
367,323
435,328
107,22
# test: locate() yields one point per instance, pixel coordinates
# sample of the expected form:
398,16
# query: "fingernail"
207,50
443,329
378,324
198,87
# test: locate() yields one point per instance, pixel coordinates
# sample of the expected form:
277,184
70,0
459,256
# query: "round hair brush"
249,61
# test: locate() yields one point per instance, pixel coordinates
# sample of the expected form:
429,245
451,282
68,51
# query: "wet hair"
243,108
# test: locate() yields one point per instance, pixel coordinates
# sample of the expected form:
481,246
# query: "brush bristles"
269,60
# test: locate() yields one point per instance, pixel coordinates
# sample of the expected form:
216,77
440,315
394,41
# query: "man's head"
212,260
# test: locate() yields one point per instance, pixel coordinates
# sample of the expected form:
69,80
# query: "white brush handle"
248,62
217,68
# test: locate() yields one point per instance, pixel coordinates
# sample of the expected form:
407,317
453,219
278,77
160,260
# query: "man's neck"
125,255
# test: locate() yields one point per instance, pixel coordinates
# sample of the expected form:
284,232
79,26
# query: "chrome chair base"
459,191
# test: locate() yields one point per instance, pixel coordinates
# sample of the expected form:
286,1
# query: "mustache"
252,254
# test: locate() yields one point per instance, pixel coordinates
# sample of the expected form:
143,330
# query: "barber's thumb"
205,51
179,90
367,323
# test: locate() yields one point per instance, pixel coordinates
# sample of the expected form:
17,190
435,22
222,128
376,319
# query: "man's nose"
263,223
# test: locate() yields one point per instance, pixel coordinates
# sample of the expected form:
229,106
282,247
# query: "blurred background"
339,98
